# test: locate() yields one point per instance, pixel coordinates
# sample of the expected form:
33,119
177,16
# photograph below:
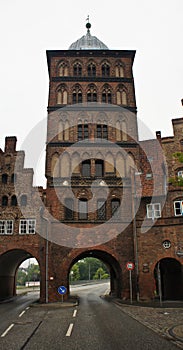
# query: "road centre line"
7,330
23,312
69,331
74,313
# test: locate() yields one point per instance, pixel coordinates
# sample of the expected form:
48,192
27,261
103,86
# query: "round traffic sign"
62,290
130,266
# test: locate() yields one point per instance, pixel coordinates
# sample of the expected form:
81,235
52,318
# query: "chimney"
10,144
158,135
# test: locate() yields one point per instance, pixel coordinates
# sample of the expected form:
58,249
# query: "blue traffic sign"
62,290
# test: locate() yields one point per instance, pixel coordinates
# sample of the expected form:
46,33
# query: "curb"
172,331
169,334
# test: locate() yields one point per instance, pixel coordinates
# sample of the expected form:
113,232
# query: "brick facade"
110,164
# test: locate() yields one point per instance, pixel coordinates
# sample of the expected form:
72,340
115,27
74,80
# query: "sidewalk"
166,320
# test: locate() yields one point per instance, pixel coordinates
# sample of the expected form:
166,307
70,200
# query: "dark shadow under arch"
171,276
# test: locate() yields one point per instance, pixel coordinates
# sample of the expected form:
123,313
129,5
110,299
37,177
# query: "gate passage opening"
95,267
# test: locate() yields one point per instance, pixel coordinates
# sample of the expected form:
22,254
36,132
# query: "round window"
166,244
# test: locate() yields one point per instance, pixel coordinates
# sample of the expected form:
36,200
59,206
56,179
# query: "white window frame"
180,173
153,210
166,244
6,227
178,207
27,226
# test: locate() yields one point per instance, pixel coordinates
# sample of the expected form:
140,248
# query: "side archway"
9,264
168,275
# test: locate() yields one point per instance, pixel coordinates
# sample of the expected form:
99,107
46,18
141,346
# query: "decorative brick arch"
107,258
10,260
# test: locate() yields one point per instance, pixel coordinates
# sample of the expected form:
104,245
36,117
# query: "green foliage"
31,273
21,277
178,156
87,268
176,181
100,274
74,274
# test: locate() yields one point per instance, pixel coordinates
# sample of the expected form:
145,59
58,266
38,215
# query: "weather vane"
88,18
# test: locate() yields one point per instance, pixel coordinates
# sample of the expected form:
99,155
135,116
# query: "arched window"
119,70
91,70
66,131
69,206
86,168
55,165
124,130
23,200
60,131
4,201
62,95
65,165
13,178
109,163
130,164
83,209
106,95
92,94
77,95
105,70
77,69
62,69
101,209
14,201
99,168
121,96
102,131
82,132
4,178
118,131
120,166
75,168
115,204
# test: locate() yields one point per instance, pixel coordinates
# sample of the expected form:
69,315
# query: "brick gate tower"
108,195
91,148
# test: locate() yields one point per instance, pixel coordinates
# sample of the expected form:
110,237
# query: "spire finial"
88,24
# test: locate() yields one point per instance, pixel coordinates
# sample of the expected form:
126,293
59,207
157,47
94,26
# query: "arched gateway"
112,265
9,264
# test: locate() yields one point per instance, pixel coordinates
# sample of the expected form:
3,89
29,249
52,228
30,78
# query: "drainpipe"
46,257
135,232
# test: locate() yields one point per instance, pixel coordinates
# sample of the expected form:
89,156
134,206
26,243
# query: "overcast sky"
28,28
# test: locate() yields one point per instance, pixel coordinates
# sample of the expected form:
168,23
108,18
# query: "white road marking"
74,313
27,308
23,312
7,330
68,334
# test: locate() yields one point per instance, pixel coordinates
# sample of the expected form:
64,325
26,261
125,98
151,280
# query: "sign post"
130,266
62,290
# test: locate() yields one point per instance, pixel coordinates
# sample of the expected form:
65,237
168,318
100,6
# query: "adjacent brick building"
108,195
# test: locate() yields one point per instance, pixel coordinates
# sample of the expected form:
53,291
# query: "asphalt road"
13,309
93,324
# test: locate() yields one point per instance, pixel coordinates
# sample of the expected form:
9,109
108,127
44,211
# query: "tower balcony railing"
84,181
